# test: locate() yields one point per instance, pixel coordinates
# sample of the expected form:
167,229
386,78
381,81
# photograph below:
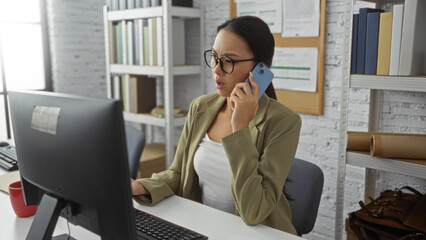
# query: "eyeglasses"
226,63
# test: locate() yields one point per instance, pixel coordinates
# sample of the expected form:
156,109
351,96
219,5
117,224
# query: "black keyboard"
8,159
154,228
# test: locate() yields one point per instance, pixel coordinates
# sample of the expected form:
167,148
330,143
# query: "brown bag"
393,215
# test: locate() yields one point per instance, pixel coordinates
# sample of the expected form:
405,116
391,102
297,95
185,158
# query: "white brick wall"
76,37
77,46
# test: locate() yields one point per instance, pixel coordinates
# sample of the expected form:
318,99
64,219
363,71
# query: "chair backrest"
304,189
135,140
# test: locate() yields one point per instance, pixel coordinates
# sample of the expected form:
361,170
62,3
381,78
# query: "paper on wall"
269,11
301,18
295,69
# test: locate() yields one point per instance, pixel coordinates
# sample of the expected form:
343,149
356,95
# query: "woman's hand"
244,105
137,188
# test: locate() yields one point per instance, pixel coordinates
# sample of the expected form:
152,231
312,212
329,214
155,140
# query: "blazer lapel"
204,117
260,115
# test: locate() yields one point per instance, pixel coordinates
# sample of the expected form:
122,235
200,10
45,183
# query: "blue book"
362,32
372,42
354,43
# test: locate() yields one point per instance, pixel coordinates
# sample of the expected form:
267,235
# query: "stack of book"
138,93
390,43
140,41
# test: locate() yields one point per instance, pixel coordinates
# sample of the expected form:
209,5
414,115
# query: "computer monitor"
73,162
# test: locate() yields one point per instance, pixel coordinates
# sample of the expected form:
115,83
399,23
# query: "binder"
362,32
384,48
371,42
397,21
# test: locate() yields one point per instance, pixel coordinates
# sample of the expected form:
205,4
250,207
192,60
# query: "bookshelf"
375,84
167,71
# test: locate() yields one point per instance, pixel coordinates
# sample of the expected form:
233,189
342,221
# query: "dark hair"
259,39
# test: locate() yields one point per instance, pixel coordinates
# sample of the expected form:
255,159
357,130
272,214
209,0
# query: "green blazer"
260,157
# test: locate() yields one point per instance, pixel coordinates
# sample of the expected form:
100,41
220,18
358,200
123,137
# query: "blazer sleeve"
166,183
258,178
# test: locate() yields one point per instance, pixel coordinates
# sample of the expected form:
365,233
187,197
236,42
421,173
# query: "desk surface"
215,224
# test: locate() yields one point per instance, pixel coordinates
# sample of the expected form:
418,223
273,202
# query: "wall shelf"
131,14
146,118
410,167
154,70
399,83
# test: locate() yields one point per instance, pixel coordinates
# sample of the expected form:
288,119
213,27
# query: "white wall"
76,37
77,46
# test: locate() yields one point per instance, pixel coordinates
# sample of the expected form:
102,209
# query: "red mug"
17,200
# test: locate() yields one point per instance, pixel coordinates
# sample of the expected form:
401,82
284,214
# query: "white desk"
215,224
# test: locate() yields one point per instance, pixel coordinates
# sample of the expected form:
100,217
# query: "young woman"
235,152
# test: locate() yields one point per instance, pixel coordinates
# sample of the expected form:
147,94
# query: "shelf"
130,14
398,83
148,119
154,70
186,12
411,167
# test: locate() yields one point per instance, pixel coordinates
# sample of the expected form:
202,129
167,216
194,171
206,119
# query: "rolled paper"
409,146
360,141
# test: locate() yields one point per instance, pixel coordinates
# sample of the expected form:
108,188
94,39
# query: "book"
115,5
120,43
111,42
362,32
122,4
178,41
116,88
152,41
123,42
140,41
130,4
371,42
131,93
413,47
136,42
144,94
145,44
384,47
146,3
159,32
130,59
155,3
125,92
354,43
398,14
159,111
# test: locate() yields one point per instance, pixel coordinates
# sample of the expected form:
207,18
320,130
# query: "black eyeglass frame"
218,59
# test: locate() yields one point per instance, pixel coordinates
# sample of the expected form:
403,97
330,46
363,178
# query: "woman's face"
231,45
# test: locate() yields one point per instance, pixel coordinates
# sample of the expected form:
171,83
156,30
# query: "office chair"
135,143
304,190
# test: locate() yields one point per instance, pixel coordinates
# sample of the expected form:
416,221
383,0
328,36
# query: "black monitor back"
73,149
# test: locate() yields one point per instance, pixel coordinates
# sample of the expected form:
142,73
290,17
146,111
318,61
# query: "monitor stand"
45,219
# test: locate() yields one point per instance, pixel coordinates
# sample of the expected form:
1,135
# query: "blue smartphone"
262,76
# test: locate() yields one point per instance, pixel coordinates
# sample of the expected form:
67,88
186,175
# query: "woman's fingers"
254,85
243,88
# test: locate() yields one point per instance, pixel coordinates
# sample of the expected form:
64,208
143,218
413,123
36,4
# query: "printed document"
295,69
301,18
269,11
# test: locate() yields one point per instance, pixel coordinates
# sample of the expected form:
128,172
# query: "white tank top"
214,173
